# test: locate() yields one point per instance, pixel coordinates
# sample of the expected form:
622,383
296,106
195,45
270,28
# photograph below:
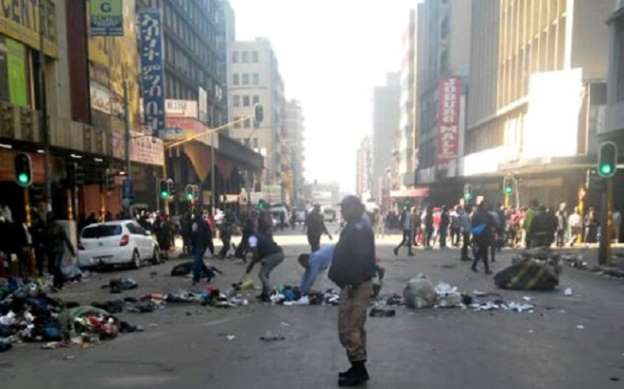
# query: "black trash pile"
27,314
535,269
118,285
186,268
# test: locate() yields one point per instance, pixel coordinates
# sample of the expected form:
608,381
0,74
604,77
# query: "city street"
567,342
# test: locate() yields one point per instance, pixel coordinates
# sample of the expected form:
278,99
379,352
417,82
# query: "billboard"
106,17
149,24
16,71
449,94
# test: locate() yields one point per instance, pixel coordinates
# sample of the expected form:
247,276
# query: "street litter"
535,269
117,285
568,292
419,293
527,298
580,327
382,312
272,337
447,296
230,337
185,269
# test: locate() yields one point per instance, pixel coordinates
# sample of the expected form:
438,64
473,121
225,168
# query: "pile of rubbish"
117,285
186,268
534,269
291,295
152,302
419,293
27,314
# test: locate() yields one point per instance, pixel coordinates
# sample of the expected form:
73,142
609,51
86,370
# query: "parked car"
122,242
277,210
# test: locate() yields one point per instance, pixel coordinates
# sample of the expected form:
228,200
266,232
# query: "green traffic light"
508,190
23,178
606,169
189,196
164,195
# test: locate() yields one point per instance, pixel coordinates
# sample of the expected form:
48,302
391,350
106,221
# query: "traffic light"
467,192
23,170
258,113
109,180
75,174
164,189
190,193
607,159
508,185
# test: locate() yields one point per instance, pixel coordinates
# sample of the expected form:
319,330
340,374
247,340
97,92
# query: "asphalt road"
567,342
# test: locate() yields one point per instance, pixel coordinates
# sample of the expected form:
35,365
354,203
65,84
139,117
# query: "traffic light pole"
43,106
604,249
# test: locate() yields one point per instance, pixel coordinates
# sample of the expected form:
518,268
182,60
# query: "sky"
331,54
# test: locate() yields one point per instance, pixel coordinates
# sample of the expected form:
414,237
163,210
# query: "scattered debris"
382,312
528,299
419,293
615,379
69,357
118,285
567,292
447,296
580,327
272,337
230,337
535,269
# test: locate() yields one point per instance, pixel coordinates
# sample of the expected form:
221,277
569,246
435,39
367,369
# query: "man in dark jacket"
482,225
352,270
408,229
444,225
315,226
269,254
201,238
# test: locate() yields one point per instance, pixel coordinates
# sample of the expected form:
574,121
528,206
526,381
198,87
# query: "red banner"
449,93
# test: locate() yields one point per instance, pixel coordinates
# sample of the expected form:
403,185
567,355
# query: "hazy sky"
331,54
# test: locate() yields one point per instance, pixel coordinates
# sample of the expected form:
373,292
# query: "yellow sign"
19,19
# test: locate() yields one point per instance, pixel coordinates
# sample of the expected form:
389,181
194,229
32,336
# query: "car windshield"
101,231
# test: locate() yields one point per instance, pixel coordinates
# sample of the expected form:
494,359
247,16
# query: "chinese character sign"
448,119
152,69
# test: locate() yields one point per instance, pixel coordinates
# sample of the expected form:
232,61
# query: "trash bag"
447,296
419,293
117,285
182,269
382,312
528,275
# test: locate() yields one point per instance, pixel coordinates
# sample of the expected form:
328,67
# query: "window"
236,100
255,79
256,100
245,57
101,231
235,56
245,78
235,79
254,57
247,123
619,62
246,101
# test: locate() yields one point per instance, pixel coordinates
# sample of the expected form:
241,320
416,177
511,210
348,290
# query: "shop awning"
410,192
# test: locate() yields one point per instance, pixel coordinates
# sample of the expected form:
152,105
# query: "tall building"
537,96
363,169
445,54
293,122
614,128
196,34
255,79
407,122
386,112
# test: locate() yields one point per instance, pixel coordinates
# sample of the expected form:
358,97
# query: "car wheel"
136,260
156,256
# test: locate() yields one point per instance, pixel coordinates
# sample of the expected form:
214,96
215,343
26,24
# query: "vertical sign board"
202,97
106,17
449,94
152,69
16,65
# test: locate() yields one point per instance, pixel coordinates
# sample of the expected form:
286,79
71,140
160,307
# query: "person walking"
428,226
443,226
201,238
455,227
225,232
575,224
591,226
315,226
465,226
526,224
55,242
352,269
617,225
269,254
406,223
38,233
562,225
482,225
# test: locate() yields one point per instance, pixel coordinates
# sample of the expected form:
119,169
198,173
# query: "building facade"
406,146
293,122
542,52
255,78
363,169
386,112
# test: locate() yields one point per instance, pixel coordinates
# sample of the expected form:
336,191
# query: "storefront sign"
106,17
19,19
152,69
448,119
147,150
100,98
16,65
181,108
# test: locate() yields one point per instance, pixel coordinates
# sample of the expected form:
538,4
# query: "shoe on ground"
304,300
353,377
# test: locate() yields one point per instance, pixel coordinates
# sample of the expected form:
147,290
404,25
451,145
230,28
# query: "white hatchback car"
116,243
